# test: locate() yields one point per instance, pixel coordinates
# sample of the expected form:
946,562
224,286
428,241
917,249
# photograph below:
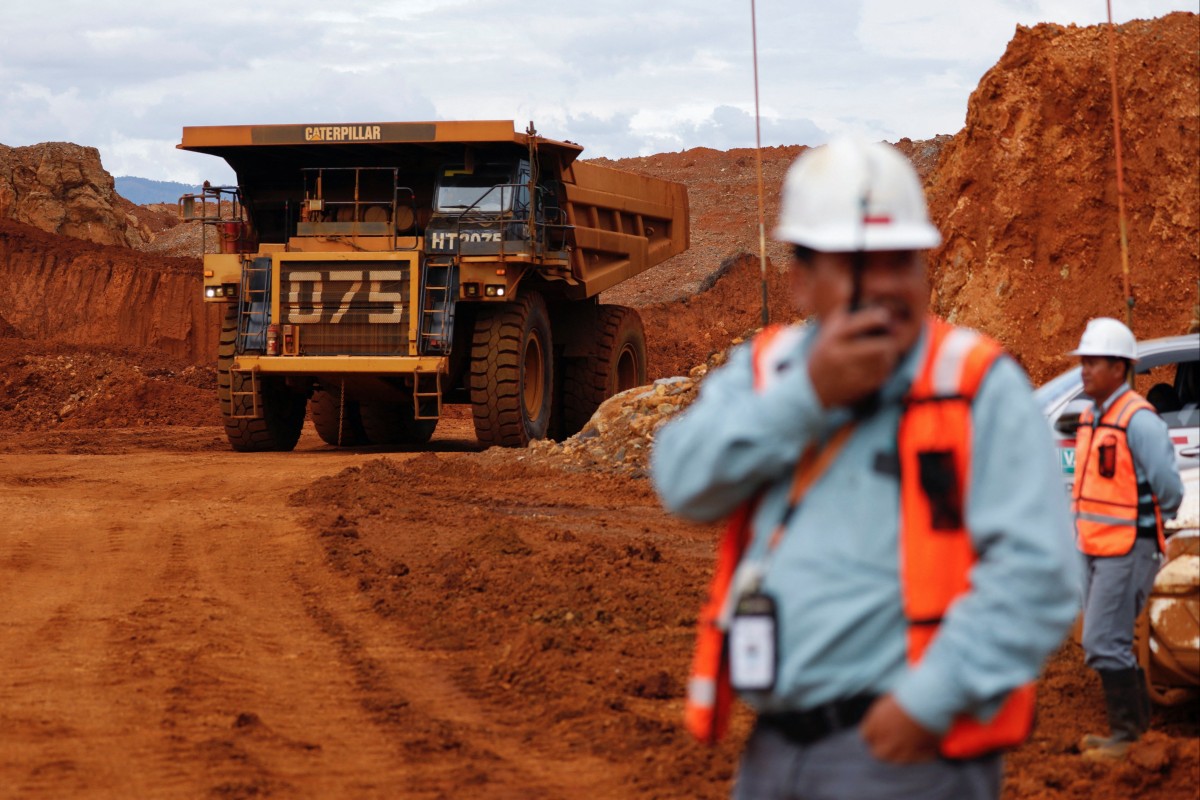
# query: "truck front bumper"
337,365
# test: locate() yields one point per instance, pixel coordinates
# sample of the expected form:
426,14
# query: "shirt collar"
1107,404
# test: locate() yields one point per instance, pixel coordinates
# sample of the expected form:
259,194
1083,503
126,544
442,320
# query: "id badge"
753,642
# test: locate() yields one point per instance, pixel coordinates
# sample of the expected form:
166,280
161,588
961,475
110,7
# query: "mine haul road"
173,627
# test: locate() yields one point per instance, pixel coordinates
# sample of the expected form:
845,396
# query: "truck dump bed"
619,223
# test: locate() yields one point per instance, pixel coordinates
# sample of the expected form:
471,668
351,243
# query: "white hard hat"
853,195
1105,336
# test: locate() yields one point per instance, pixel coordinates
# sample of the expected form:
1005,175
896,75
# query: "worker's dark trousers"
1115,589
841,767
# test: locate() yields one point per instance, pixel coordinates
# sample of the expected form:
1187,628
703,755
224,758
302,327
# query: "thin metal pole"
762,228
1116,115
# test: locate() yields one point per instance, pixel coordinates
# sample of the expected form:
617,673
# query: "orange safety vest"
935,551
709,695
1106,489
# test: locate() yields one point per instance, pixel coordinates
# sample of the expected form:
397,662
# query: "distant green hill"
142,191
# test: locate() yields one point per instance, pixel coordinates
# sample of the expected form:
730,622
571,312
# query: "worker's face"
1101,376
893,280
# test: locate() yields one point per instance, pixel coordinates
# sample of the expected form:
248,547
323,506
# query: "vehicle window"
1187,383
480,191
1157,385
1184,418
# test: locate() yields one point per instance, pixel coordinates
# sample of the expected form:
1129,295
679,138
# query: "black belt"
810,725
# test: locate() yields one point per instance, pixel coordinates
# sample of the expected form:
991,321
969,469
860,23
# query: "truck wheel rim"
534,379
627,368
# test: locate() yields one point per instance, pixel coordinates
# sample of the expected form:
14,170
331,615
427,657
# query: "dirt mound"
723,207
1027,194
621,432
579,623
686,332
182,240
1164,765
579,626
723,200
62,188
71,387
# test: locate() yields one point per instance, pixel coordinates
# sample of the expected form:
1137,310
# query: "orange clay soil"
182,621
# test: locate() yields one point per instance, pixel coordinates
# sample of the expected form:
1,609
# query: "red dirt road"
175,627
182,621
172,631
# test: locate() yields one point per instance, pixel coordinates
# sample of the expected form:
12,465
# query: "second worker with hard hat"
897,561
1126,483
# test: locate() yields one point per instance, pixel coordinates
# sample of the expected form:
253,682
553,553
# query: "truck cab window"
483,190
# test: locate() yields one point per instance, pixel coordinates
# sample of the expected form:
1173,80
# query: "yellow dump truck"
373,272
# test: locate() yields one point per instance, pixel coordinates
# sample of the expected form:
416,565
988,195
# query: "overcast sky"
621,77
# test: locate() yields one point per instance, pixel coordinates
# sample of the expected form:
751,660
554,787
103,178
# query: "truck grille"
347,307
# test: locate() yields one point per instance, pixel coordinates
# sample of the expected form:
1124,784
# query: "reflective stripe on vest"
1105,495
936,554
709,696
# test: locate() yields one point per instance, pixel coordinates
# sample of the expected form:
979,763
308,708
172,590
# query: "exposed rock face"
1027,191
72,291
62,188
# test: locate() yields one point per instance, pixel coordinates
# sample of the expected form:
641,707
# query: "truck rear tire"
326,410
616,362
282,409
395,423
512,372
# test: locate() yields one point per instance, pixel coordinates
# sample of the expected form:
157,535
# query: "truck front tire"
512,372
282,418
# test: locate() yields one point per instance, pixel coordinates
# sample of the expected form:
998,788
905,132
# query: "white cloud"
624,77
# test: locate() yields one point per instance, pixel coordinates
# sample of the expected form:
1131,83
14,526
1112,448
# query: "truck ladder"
238,379
437,306
427,395
254,306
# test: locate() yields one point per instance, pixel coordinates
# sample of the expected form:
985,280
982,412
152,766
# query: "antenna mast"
1112,42
762,229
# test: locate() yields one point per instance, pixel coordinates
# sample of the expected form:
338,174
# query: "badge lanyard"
753,630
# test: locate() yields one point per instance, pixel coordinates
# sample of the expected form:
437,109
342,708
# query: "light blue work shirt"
835,577
1154,464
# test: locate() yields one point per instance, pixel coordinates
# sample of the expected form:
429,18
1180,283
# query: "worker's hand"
892,735
847,362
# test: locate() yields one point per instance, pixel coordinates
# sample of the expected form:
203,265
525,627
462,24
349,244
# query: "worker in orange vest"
1126,483
898,559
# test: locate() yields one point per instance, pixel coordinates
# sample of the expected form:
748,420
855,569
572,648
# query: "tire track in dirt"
158,641
463,748
546,657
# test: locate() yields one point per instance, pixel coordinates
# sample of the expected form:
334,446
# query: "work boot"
1123,702
1144,705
